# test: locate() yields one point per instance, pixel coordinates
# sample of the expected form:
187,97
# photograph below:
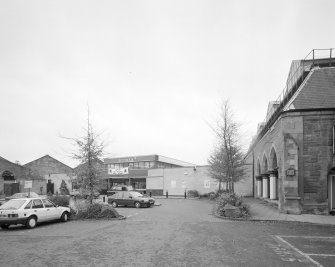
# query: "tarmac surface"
177,233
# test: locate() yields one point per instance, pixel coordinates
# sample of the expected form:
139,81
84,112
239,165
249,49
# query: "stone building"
293,155
53,172
13,177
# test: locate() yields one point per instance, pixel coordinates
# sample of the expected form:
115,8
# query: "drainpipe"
253,175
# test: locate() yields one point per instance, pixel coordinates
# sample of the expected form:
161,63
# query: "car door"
128,199
52,212
38,209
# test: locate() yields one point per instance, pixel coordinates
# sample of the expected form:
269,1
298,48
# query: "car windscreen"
13,204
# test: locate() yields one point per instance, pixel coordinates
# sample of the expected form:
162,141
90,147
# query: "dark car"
130,198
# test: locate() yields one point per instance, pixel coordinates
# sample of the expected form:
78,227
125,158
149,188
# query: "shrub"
96,211
232,200
60,200
192,193
216,194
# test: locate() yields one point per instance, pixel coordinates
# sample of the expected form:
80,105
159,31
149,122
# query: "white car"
30,211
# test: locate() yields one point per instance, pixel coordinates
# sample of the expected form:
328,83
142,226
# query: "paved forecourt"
177,233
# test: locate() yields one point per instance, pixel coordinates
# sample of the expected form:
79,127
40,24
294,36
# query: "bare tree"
89,153
226,161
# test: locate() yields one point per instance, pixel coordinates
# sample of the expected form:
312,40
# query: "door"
50,187
11,189
331,192
127,199
39,210
52,212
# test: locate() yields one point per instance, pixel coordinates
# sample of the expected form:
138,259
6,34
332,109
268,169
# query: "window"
37,204
136,165
47,203
161,165
142,165
28,206
147,164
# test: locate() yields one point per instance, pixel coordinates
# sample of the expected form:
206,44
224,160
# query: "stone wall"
318,158
303,143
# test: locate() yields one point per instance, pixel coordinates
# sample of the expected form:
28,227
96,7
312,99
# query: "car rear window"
13,204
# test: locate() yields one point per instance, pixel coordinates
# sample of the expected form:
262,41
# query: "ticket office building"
134,170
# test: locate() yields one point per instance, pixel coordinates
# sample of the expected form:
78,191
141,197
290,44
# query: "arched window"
265,164
258,168
273,159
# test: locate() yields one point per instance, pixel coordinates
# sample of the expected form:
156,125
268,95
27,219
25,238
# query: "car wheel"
114,204
137,205
64,217
32,222
4,226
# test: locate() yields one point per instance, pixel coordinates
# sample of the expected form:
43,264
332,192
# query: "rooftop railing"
299,70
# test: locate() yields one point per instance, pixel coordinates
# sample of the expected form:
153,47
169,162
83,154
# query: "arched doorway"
273,174
265,177
259,180
331,190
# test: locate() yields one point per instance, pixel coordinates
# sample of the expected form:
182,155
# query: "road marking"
299,251
308,236
321,255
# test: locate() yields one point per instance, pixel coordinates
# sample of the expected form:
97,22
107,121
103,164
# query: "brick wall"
21,174
48,165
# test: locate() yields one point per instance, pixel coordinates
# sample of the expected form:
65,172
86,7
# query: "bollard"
185,195
167,194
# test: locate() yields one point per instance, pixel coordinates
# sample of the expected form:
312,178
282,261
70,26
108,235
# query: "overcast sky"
152,72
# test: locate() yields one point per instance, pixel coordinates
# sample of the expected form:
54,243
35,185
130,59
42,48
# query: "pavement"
261,211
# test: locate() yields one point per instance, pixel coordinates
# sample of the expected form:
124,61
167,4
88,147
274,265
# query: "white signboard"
28,184
207,183
121,171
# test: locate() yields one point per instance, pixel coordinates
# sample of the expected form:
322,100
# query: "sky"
153,73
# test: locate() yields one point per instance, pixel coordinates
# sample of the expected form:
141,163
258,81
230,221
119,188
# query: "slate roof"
318,92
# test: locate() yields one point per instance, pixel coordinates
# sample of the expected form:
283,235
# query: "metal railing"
299,70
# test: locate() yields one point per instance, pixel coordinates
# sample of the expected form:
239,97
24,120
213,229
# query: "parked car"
30,211
18,195
130,198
